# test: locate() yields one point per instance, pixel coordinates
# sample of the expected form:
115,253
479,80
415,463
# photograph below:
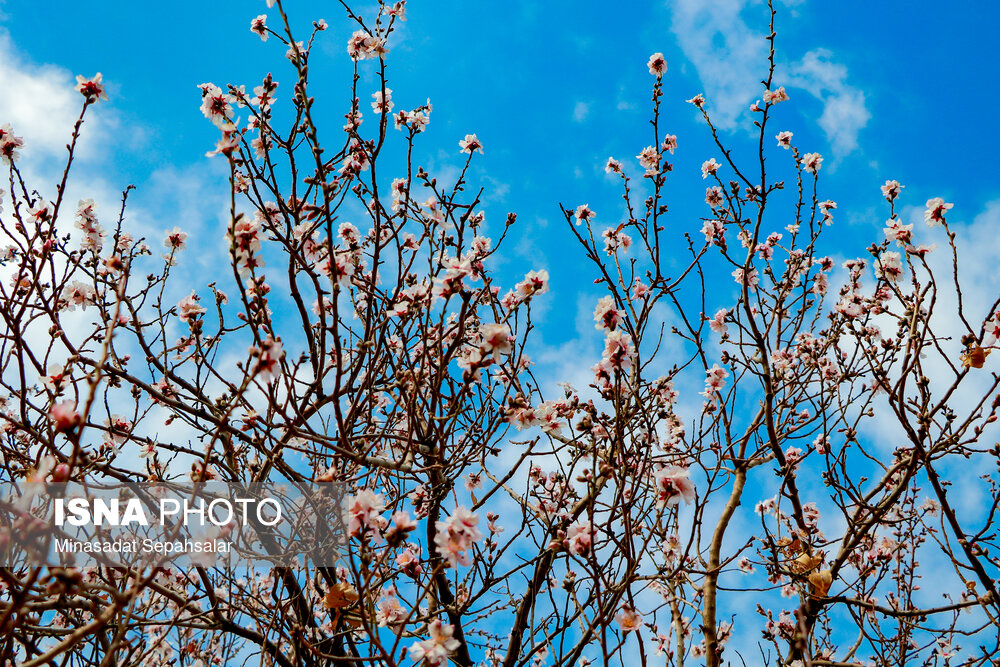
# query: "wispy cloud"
729,56
40,104
844,110
731,59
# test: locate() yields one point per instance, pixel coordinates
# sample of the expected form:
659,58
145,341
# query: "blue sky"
552,89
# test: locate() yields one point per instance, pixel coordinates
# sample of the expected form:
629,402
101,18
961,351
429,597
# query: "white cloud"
731,60
978,254
581,111
42,107
40,104
844,111
729,56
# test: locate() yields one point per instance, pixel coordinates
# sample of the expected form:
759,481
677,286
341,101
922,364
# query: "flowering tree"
487,523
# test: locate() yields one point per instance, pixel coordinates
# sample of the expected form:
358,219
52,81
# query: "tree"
486,521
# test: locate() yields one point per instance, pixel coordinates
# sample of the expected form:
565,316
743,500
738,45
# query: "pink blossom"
76,294
91,88
921,249
714,231
175,239
362,46
944,648
472,361
709,168
793,455
649,159
188,309
471,144
614,240
245,241
417,120
991,329
481,246
580,538
217,106
889,266
264,94
408,561
784,139
382,103
619,351
827,206
811,162
583,213
496,338
399,193
936,208
775,96
750,278
767,506
259,26
534,283
895,230
56,378
715,380
673,484
118,427
436,649
364,513
891,190
473,481
64,416
718,322
629,619
402,525
456,535
606,315
269,357
86,221
40,213
227,143
349,234
397,11
41,473
657,65
390,612
9,143
451,281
